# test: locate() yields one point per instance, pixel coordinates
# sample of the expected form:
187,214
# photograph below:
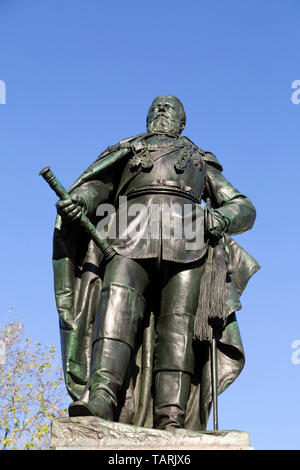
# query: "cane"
84,221
213,346
214,360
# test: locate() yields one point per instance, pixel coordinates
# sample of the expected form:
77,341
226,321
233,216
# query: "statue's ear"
182,126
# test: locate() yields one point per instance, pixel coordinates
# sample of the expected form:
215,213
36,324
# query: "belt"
164,187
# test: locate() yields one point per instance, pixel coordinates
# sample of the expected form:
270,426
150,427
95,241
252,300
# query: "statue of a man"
136,330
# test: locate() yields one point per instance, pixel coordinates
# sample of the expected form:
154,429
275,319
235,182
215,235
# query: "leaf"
32,390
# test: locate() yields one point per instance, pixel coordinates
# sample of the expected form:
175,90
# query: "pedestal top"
92,433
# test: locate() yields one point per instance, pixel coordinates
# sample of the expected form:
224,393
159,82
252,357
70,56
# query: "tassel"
213,294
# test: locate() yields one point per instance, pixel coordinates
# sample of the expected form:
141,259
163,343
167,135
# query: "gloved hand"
217,225
71,208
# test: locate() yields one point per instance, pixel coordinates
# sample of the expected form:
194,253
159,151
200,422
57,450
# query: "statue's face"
164,116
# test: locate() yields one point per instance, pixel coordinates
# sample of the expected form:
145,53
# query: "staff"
84,221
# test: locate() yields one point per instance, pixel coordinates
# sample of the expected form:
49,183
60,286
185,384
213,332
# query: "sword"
84,221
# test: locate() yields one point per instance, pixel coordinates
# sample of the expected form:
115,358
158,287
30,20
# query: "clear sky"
80,75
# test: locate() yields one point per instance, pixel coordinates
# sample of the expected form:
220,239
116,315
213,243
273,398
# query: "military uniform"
157,170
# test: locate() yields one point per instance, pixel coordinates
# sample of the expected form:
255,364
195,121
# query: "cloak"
78,276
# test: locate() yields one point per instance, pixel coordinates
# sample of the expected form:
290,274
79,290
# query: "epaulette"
127,140
124,143
211,159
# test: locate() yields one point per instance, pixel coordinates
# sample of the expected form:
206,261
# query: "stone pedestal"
91,433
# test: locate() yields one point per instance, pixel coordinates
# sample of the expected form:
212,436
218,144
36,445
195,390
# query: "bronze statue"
137,321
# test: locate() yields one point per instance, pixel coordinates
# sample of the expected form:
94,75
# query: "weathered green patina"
136,331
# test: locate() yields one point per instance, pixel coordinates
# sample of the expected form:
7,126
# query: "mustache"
162,114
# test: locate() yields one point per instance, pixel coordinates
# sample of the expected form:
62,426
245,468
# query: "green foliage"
32,390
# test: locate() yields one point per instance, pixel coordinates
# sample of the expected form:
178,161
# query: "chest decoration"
183,160
146,154
186,155
142,160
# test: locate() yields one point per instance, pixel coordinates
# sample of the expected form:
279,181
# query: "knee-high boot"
172,390
174,366
118,321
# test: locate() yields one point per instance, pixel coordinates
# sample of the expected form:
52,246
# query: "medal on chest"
145,154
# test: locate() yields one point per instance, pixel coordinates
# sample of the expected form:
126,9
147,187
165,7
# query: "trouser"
118,326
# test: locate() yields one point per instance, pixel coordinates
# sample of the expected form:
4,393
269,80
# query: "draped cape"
78,276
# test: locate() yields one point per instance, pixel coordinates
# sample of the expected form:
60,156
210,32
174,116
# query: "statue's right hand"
71,208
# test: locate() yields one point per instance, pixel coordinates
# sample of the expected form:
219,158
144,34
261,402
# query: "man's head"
166,115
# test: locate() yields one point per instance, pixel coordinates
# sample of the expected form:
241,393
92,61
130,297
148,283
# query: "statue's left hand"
217,225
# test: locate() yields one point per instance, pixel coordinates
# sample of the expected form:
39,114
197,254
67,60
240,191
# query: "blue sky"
80,75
